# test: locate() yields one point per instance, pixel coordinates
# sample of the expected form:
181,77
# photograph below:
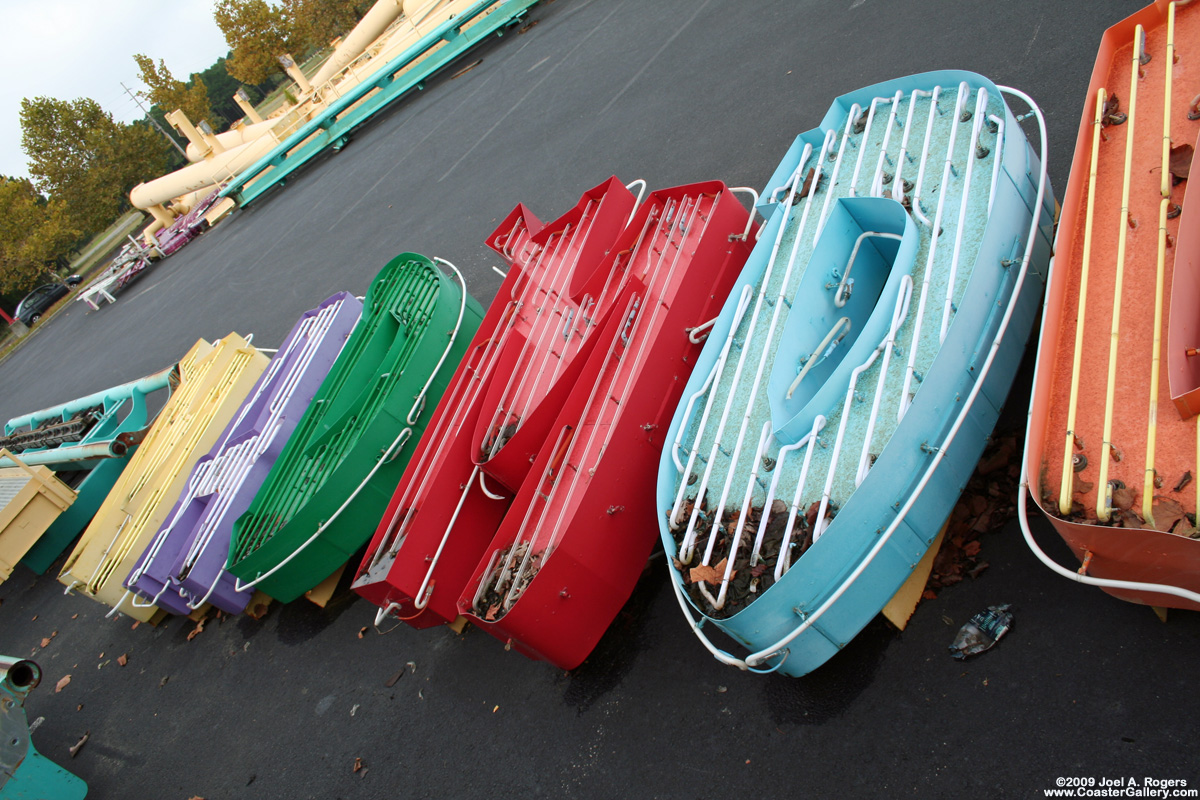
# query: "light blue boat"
853,376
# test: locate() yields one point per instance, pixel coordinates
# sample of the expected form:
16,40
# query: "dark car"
36,303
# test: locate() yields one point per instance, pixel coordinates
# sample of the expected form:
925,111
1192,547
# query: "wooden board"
901,607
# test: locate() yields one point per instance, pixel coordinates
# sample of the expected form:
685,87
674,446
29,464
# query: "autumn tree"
79,156
317,22
168,93
257,34
35,235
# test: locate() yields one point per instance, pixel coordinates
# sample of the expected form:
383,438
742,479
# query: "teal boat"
851,380
332,482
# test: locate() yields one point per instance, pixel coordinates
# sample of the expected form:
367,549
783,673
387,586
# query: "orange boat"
1112,452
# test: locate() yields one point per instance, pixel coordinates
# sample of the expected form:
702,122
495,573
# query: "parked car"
36,303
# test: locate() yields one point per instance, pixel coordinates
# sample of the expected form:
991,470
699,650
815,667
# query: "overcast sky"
84,48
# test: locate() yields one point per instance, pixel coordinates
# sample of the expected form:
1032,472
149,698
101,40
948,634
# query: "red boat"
585,359
444,511
571,548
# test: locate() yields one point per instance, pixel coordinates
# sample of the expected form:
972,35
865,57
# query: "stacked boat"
857,368
214,380
183,567
552,427
1113,446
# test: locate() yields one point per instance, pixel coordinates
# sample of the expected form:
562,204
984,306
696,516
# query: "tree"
35,235
317,22
168,93
80,156
257,33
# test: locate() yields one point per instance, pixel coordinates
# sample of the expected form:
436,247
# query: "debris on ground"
46,640
199,629
390,682
988,502
982,631
75,748
62,683
362,632
123,659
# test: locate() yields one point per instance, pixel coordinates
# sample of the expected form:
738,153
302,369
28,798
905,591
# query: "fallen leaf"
495,709
390,682
713,575
136,622
74,616
62,683
1181,161
358,764
123,659
46,640
199,629
362,632
163,682
35,616
79,707
1166,512
491,612
972,548
929,594
75,748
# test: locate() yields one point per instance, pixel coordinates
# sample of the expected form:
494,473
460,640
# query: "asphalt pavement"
1084,686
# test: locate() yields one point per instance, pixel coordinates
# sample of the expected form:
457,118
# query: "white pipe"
855,111
981,100
905,394
816,357
934,112
898,181
877,179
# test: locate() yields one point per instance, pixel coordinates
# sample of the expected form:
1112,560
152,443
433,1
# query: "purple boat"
188,227
184,565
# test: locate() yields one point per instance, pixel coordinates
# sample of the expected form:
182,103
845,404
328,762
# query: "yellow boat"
214,380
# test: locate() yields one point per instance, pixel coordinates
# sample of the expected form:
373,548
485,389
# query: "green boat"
337,472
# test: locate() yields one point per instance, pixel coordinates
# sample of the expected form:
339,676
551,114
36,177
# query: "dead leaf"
75,748
972,548
62,683
79,707
358,764
136,622
1166,512
34,618
390,682
123,659
712,575
362,632
1122,497
163,682
74,616
1181,161
491,612
199,629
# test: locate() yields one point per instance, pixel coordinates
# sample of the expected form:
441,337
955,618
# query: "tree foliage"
318,22
257,33
80,156
166,92
35,234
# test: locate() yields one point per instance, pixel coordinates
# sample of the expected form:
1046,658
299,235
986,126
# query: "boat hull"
1136,553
